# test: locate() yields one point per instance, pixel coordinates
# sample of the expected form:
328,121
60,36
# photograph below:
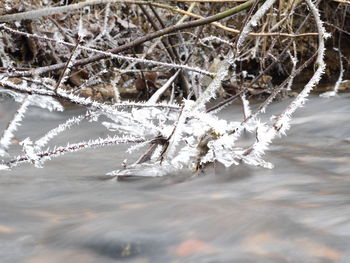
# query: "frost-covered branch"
8,133
41,157
145,38
43,141
88,102
186,134
262,10
282,122
48,11
65,73
155,97
42,70
265,134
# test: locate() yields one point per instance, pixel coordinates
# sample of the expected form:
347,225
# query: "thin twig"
143,39
67,67
8,135
280,59
22,72
74,148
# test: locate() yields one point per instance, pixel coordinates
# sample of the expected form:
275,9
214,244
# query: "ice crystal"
31,153
172,136
39,157
246,109
334,92
211,90
253,155
254,21
179,128
7,135
60,128
155,97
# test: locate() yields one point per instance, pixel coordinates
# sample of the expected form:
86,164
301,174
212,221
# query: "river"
71,212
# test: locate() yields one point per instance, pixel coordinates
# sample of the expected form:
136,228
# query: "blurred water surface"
70,212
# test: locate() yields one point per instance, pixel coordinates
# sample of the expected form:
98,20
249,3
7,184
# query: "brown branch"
342,1
280,58
213,1
108,54
337,28
34,14
225,28
139,40
169,45
67,67
72,148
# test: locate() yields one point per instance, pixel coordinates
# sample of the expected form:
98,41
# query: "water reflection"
298,212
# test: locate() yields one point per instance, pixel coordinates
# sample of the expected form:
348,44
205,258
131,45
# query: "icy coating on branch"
254,21
176,127
8,134
283,121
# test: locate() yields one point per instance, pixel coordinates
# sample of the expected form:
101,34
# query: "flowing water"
70,212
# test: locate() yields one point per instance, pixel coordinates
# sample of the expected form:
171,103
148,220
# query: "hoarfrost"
8,135
31,153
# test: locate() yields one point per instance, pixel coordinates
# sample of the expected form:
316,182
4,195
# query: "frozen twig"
57,151
65,73
60,128
145,38
282,122
176,135
42,70
63,94
105,19
254,21
265,134
8,135
155,97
